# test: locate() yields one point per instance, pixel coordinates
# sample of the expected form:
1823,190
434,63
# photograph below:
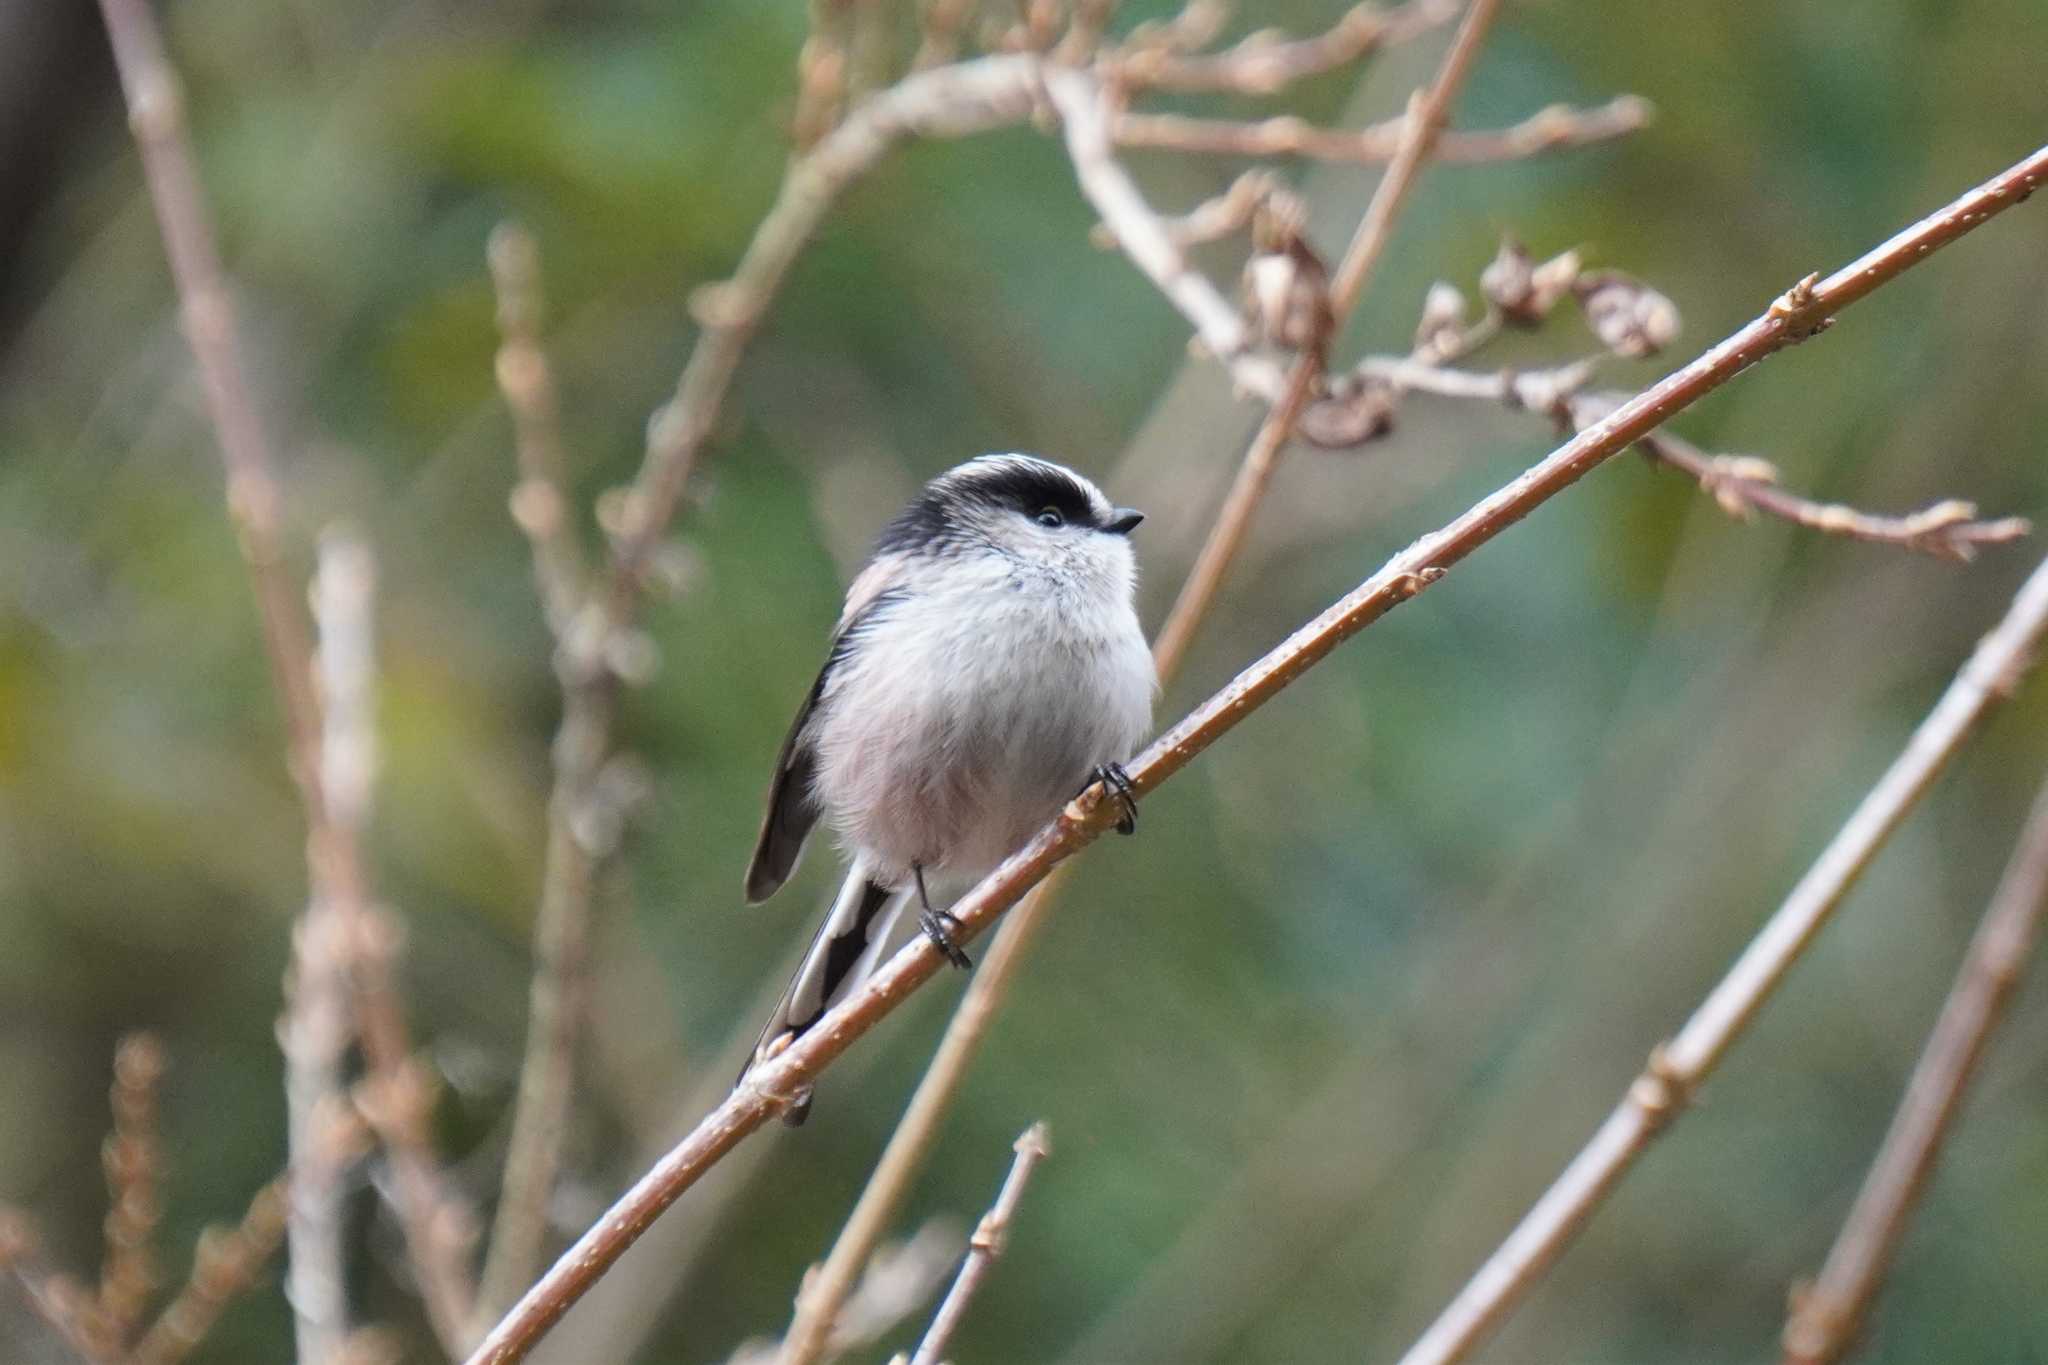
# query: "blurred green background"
1374,968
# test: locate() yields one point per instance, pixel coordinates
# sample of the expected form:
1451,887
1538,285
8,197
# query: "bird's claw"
940,928
1117,783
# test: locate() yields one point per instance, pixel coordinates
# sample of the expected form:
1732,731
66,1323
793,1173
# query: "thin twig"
1679,1067
156,116
1084,106
1266,63
1827,1316
224,1265
1420,128
1425,116
771,1087
540,507
133,1158
334,860
984,1248
1211,220
1743,485
900,1278
315,1031
822,74
71,1312
1555,128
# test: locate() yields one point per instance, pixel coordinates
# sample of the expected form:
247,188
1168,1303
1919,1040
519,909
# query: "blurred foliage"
1376,965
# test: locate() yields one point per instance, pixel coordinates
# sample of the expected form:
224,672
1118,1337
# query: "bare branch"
1556,128
71,1313
315,1031
1678,1068
155,112
1426,112
539,505
224,1266
1266,63
157,118
348,936
1743,485
1424,121
561,929
1084,106
1212,219
770,1087
133,1159
900,1278
990,1236
1828,1315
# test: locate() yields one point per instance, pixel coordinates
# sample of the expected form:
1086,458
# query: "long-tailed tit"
987,667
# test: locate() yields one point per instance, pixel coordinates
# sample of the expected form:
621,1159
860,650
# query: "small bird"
988,666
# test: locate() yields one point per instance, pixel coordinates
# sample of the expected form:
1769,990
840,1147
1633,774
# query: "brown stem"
990,1236
1263,64
1679,1067
1828,1315
133,1159
1425,116
771,1086
540,506
225,1265
1556,128
1742,485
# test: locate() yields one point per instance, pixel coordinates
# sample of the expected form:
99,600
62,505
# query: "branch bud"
1442,324
1523,290
1357,411
1286,288
1630,318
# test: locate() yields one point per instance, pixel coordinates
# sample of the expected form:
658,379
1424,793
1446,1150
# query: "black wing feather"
791,810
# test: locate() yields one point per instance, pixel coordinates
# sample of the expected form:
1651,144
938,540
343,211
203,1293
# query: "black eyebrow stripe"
1028,487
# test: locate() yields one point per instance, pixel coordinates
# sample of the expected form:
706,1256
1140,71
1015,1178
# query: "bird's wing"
791,809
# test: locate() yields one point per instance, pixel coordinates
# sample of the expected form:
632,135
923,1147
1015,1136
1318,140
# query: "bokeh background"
1375,966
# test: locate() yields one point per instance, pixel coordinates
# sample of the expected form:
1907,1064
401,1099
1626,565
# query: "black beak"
1123,521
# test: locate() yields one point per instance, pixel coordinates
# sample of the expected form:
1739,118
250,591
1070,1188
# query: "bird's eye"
1050,516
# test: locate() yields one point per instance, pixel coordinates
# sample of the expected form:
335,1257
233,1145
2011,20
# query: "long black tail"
846,950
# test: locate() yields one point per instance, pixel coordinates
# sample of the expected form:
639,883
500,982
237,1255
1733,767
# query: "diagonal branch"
1828,1315
225,1264
1679,1067
770,1087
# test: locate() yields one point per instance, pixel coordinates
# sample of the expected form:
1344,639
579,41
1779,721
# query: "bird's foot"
1117,783
941,928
